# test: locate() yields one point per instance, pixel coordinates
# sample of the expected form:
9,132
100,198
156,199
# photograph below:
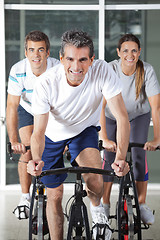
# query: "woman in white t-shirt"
141,91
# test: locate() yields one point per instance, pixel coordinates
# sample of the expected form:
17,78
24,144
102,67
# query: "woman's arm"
155,108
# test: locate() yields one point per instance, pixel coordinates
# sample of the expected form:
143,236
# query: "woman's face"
129,54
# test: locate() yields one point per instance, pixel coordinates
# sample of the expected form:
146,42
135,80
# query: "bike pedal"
84,193
112,216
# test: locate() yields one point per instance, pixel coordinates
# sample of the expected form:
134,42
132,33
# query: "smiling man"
76,63
67,103
22,78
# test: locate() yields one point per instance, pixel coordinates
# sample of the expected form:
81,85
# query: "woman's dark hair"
37,36
78,39
139,68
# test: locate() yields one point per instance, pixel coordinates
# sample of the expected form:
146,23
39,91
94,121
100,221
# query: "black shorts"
138,133
24,118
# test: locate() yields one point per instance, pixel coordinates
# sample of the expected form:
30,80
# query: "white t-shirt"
73,109
22,80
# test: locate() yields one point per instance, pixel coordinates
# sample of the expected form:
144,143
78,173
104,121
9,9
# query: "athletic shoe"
100,224
22,210
147,216
106,209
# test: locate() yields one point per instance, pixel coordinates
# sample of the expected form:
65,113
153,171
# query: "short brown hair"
37,36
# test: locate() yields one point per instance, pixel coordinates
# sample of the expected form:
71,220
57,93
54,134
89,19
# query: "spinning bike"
127,210
128,219
38,226
78,223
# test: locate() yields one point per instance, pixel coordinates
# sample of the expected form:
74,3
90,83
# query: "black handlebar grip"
100,145
9,148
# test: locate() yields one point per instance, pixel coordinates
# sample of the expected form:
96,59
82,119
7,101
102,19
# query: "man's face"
76,63
37,56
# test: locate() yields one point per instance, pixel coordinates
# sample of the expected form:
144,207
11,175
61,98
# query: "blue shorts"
53,153
24,118
138,133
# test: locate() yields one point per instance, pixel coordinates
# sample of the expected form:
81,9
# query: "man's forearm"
103,131
38,136
37,146
12,125
123,133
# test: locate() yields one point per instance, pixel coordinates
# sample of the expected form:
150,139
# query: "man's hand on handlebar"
34,167
120,167
18,148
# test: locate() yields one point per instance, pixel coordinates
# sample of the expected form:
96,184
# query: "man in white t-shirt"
22,78
66,104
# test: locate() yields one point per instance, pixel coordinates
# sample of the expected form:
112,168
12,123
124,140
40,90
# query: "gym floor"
14,229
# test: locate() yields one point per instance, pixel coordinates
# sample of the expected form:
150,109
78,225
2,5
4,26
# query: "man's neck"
38,72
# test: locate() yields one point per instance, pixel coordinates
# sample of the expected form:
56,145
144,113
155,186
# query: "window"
104,20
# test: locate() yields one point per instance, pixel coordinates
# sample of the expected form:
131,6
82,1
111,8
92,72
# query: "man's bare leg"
141,190
55,213
90,157
22,210
107,192
25,178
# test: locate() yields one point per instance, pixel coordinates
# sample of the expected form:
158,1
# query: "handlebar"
140,145
131,145
76,170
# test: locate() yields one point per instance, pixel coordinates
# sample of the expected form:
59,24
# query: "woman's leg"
141,191
108,159
139,134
